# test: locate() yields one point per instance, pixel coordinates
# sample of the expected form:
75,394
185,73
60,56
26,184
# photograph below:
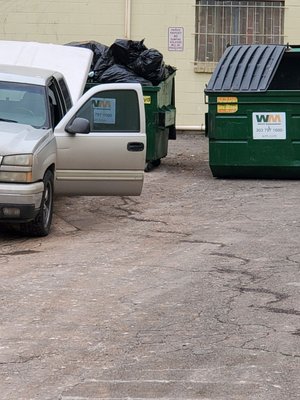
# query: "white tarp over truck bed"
73,62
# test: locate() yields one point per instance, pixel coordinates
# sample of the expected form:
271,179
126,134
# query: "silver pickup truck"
49,143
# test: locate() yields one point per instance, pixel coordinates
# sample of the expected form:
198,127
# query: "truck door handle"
135,146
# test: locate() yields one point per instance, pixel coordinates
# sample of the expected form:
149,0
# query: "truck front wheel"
41,225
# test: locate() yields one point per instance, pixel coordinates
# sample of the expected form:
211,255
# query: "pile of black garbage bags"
126,61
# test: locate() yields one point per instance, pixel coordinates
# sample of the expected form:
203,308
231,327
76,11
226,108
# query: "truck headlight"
17,177
16,168
18,159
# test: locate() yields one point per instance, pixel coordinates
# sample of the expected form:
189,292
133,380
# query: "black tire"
151,165
42,223
156,163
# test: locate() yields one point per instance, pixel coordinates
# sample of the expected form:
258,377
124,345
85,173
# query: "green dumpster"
160,119
160,115
253,119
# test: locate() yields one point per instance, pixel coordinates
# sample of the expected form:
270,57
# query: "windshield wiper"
7,120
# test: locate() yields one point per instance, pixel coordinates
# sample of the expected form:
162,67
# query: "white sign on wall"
176,38
269,125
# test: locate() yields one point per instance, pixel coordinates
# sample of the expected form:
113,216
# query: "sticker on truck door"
104,111
269,125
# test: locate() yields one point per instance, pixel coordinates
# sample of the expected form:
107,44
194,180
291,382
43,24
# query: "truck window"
112,111
66,94
56,104
24,104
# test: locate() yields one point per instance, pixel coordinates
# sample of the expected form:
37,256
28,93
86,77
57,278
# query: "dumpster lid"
246,68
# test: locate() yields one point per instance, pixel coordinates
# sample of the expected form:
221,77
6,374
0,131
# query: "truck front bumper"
20,202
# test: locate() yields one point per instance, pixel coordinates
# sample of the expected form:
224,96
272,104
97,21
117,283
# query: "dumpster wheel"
150,165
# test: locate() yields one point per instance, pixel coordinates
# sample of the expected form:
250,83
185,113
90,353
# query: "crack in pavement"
145,220
253,277
278,296
276,310
20,253
267,351
22,360
229,255
174,233
196,241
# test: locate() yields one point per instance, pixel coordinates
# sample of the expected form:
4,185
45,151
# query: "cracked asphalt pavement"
190,291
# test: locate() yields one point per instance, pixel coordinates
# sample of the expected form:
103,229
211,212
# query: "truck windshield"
24,104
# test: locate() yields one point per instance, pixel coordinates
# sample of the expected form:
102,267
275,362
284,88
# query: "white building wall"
152,19
63,21
292,22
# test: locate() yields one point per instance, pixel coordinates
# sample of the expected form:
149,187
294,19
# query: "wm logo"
101,103
265,118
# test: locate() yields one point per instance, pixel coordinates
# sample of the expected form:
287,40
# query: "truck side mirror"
79,125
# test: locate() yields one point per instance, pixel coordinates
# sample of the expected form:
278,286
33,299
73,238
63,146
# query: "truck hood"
21,139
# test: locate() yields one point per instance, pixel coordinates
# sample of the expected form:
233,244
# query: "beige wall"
62,21
292,22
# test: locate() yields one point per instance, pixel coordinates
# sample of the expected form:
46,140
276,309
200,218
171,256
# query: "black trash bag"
105,61
99,50
169,70
125,52
150,65
120,73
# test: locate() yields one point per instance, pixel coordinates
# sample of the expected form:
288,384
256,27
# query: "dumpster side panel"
157,139
160,119
255,136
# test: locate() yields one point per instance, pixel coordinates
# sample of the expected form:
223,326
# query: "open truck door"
101,143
